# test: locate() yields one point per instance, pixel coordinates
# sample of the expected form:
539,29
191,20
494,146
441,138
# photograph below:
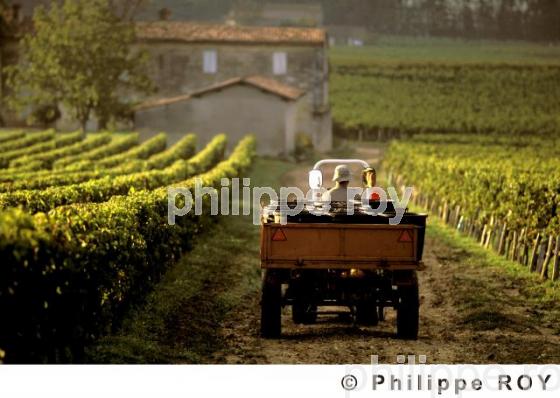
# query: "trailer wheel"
271,305
408,313
381,313
304,312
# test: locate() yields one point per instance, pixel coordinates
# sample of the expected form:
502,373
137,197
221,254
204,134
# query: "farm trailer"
358,261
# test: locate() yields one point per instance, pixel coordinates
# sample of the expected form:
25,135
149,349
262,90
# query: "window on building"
279,63
210,61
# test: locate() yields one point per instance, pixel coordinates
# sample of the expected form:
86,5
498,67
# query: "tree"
507,18
468,20
4,31
126,10
80,58
440,17
246,11
486,19
545,19
3,24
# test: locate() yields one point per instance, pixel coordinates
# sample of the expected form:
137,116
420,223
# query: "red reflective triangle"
279,235
405,236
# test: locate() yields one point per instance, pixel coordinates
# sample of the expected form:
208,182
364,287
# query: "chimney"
164,14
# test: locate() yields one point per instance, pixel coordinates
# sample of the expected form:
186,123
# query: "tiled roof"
155,103
263,83
275,87
203,33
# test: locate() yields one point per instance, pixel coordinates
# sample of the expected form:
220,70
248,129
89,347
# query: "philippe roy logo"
237,196
412,373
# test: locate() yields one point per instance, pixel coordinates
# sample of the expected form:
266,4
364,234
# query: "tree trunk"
83,117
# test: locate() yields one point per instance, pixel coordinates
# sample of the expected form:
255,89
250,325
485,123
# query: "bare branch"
126,10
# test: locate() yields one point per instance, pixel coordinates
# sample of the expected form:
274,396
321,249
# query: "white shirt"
336,194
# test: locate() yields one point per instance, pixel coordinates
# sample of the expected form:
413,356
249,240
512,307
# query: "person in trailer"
339,193
369,179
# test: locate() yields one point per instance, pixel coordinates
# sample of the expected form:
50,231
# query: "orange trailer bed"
339,246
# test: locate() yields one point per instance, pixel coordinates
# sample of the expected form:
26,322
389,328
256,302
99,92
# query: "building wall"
177,68
317,125
237,111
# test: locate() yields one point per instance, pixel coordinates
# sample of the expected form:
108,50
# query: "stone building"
237,107
189,59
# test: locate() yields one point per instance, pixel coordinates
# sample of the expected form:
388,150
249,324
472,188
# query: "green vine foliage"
515,180
513,99
68,274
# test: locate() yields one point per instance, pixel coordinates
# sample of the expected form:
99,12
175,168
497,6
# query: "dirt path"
471,312
475,307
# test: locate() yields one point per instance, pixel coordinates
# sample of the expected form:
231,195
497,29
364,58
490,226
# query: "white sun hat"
342,173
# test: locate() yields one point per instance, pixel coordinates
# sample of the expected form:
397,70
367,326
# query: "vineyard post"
489,231
555,269
507,243
469,226
490,234
471,231
483,235
525,254
456,218
521,246
540,258
533,259
513,248
477,231
502,239
433,206
544,271
495,236
453,217
492,243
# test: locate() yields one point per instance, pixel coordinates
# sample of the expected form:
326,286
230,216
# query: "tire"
304,313
408,314
271,306
381,314
366,314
